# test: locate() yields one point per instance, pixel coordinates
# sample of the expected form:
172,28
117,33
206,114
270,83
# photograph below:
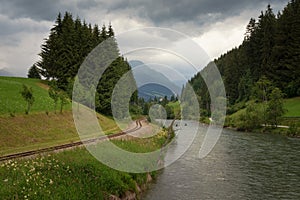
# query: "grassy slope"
36,130
293,107
291,117
11,100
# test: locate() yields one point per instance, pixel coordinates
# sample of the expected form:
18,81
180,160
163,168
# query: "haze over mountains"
151,83
5,72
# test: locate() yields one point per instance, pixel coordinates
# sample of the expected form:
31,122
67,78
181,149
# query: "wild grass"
11,101
71,174
38,130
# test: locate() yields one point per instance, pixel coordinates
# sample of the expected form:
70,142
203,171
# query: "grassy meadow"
291,118
293,107
11,101
42,127
39,130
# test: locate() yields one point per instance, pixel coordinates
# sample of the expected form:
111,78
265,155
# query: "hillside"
11,101
270,50
150,91
293,107
39,129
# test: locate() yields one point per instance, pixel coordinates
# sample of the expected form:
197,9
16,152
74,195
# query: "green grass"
71,174
291,118
11,101
41,128
293,107
38,130
148,144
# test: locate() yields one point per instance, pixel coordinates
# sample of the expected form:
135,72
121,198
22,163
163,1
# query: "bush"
293,130
251,118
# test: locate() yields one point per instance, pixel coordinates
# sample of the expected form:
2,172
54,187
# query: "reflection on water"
241,166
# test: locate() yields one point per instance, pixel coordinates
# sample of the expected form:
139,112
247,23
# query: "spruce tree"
34,72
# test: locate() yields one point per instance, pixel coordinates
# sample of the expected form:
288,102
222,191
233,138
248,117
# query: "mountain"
151,90
4,72
151,83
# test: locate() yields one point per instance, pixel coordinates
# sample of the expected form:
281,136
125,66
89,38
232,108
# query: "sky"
215,25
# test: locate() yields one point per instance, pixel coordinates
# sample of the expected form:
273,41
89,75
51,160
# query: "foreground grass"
11,101
73,174
39,130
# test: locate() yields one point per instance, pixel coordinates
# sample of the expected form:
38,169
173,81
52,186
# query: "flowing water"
241,166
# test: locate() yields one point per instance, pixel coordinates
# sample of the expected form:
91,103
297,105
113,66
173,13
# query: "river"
241,166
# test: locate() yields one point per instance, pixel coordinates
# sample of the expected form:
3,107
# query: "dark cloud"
87,4
170,11
11,27
44,9
157,11
21,19
37,10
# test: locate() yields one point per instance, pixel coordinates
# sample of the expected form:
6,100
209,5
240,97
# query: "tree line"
270,51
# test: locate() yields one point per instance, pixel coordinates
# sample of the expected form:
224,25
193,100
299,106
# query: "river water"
241,166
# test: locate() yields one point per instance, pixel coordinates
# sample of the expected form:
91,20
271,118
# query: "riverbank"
292,130
74,174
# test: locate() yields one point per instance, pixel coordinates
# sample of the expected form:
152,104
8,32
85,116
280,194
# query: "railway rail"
70,145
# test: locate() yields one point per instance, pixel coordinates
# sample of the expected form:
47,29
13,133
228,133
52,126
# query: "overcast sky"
216,25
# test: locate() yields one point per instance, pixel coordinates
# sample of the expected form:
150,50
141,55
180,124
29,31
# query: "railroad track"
69,145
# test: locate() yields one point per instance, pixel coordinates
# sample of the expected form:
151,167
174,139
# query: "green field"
290,119
11,101
293,107
39,129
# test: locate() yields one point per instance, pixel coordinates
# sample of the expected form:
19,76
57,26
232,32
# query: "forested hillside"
69,43
270,51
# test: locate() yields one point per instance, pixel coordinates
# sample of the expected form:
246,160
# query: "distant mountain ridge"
4,72
152,83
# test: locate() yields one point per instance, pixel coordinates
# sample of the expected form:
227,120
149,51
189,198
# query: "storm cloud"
27,22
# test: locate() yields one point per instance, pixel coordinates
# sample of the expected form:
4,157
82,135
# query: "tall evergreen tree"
69,43
33,72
